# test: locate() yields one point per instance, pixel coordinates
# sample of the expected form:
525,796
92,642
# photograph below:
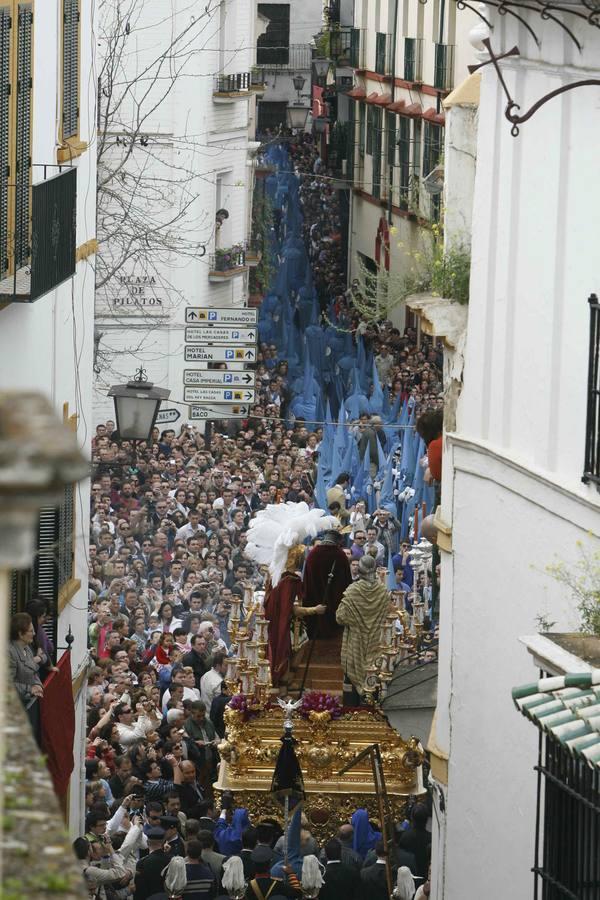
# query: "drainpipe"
438,104
393,93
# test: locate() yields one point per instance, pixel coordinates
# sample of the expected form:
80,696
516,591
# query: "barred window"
361,129
70,69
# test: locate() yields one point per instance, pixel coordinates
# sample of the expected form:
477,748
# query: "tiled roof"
568,708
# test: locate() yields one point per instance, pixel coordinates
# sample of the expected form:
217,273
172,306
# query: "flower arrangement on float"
245,705
319,702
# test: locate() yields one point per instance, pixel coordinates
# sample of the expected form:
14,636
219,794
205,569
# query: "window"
443,75
377,146
370,127
271,115
413,59
361,129
390,127
433,146
53,564
404,160
380,53
355,54
16,28
591,471
70,69
273,47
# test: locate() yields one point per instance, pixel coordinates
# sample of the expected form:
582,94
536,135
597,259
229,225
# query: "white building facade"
48,243
406,57
187,166
513,499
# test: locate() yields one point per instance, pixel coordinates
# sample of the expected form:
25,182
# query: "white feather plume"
280,526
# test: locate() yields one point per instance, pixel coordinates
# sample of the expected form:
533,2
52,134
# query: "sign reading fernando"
225,316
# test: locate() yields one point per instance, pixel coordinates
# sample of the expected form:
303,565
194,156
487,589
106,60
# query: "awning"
379,99
567,707
357,93
433,116
397,106
415,109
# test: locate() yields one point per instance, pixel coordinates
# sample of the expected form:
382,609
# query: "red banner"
58,724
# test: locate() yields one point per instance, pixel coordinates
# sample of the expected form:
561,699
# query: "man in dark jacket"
417,840
263,885
340,879
148,876
197,658
374,878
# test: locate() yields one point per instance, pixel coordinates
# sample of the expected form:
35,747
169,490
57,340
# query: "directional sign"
219,334
225,316
218,394
167,415
220,354
219,377
216,411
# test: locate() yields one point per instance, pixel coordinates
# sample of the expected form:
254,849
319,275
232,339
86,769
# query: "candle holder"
231,675
371,683
242,641
245,679
252,654
261,629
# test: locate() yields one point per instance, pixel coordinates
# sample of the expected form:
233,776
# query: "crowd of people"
169,528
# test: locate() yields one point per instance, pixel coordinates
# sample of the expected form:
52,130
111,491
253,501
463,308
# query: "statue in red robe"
283,603
326,577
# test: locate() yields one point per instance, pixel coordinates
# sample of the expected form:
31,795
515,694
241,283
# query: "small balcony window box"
230,88
226,264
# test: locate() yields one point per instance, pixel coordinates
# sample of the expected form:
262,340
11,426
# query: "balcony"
443,73
229,88
344,46
225,264
276,59
38,264
413,60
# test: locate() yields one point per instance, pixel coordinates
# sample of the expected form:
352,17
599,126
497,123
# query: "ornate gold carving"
324,747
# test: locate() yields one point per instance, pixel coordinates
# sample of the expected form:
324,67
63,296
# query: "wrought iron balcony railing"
228,260
38,248
237,83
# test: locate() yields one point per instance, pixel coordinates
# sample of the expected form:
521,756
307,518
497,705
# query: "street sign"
219,334
218,394
220,354
167,415
226,316
215,411
219,377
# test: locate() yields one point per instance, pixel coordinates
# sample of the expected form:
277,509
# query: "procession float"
350,756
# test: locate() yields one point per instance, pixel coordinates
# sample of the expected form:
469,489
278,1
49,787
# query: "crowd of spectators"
169,524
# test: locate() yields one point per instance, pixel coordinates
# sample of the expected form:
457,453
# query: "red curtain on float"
58,726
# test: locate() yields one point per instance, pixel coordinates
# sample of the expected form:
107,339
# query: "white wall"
47,346
512,472
206,140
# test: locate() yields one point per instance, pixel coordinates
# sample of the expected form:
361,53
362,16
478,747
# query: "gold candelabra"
249,669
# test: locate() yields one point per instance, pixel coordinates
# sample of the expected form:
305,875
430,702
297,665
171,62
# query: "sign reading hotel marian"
219,377
220,354
218,394
219,334
215,411
225,316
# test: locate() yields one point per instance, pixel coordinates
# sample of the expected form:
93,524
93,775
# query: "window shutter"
70,110
24,85
5,23
45,568
66,524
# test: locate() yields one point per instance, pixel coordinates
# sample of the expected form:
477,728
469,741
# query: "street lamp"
297,116
299,81
136,406
322,67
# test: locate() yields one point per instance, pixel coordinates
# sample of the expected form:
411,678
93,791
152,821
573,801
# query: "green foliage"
583,581
262,223
430,269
